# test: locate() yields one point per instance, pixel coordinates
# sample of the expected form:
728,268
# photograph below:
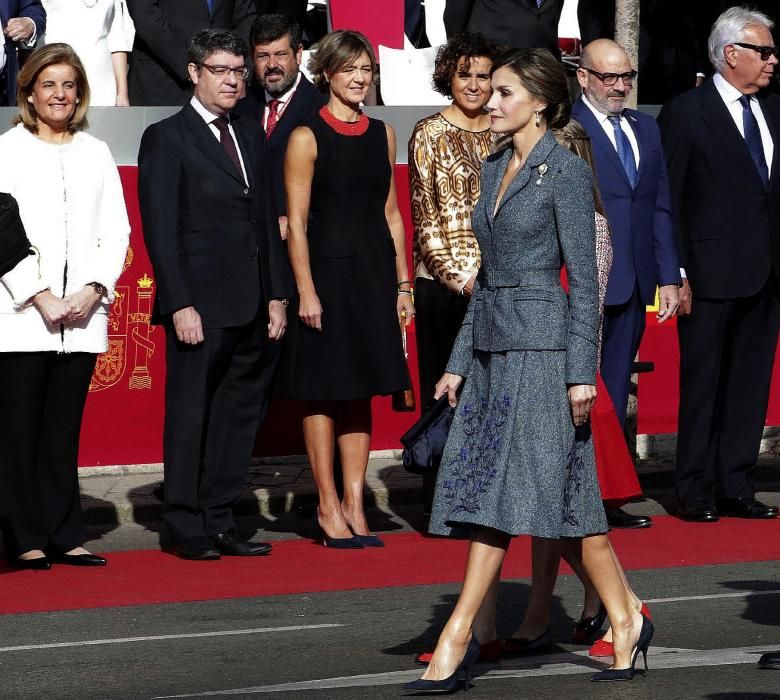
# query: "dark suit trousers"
624,325
439,315
216,395
41,404
727,350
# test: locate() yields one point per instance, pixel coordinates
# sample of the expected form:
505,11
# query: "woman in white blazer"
54,304
101,32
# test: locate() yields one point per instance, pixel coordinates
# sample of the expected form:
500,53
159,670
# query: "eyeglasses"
609,79
241,73
766,52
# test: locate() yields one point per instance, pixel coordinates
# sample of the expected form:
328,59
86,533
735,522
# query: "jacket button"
252,256
252,221
246,190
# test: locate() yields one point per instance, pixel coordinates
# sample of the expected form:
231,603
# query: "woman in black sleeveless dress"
346,244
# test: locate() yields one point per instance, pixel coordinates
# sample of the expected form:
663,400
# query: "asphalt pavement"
712,621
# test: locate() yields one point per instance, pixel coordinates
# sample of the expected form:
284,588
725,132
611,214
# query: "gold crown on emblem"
145,282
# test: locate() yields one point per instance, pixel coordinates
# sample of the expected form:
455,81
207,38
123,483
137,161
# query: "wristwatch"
285,302
99,288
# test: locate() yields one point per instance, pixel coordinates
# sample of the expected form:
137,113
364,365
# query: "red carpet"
299,566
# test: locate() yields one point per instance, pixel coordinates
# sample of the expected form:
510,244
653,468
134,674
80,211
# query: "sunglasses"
764,51
610,79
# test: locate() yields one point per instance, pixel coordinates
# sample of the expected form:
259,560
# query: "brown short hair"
574,137
336,50
40,60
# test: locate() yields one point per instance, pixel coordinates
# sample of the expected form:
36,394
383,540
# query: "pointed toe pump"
453,682
627,674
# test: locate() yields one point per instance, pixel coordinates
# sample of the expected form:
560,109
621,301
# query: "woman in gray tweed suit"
519,458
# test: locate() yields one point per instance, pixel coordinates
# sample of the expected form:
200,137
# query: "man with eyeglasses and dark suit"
222,287
631,175
721,142
158,62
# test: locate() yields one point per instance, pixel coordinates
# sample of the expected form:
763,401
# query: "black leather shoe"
619,518
745,508
770,660
197,549
699,512
230,545
80,559
37,564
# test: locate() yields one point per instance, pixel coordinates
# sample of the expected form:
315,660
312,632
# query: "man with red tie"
281,97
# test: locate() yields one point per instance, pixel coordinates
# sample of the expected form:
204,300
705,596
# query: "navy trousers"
624,325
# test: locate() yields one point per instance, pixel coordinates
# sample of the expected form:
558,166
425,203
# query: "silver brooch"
542,169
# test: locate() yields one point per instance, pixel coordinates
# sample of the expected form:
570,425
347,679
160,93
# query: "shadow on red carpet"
408,559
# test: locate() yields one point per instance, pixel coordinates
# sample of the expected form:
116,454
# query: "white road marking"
164,637
714,596
552,665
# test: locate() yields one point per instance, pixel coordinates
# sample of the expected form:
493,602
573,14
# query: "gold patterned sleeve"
432,246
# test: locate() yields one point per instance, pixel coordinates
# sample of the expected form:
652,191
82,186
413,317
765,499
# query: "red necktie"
273,117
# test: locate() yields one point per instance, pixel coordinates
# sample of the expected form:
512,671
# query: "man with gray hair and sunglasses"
720,141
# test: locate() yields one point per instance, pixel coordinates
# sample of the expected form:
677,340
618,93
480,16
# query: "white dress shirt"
209,118
730,96
609,130
283,99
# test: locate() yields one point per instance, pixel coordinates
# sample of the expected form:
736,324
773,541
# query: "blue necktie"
624,151
753,139
210,4
539,3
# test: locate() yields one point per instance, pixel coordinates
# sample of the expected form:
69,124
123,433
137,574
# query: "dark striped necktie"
753,139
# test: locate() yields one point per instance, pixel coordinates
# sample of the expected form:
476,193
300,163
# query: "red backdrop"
124,414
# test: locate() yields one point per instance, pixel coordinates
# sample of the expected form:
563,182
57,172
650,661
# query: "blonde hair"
40,60
573,136
336,50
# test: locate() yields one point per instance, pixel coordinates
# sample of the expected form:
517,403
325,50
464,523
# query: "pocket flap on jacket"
533,294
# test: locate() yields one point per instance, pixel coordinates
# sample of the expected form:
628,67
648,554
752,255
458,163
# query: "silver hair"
730,28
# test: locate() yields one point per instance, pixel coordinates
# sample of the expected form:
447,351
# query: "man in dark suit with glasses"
222,287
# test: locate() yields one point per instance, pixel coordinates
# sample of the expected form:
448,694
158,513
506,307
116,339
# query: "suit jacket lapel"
205,141
773,122
535,158
600,139
717,117
244,146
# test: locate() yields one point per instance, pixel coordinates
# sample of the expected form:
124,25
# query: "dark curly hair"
466,45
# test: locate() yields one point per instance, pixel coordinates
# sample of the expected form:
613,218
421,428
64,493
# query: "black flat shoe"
642,645
620,519
37,564
745,508
519,646
453,682
588,627
232,546
80,559
699,512
196,549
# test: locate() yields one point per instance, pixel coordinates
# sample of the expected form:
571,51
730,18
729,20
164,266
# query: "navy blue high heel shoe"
627,674
369,540
337,542
451,683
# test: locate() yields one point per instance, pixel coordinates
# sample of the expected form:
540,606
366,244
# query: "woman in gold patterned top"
446,151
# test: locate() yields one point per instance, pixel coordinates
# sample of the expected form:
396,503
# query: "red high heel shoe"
601,647
489,652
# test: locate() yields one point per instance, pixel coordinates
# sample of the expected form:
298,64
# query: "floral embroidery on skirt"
473,467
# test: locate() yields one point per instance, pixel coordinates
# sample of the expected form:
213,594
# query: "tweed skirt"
514,460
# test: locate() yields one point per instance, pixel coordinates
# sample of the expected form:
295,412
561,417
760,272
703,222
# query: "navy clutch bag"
424,441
